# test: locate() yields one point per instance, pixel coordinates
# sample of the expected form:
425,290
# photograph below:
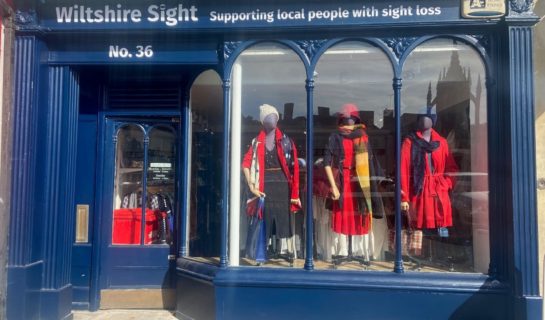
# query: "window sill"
337,279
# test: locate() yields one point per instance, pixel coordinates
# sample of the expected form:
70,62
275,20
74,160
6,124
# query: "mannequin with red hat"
271,170
427,168
349,165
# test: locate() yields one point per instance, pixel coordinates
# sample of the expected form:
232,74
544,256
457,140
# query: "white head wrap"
265,110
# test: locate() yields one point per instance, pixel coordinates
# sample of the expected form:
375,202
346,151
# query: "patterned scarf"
419,149
361,155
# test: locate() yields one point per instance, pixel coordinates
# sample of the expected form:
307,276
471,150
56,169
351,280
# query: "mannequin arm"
253,190
334,189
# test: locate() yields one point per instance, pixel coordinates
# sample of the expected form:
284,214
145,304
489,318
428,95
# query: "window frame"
397,51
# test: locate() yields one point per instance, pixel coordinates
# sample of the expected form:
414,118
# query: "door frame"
104,159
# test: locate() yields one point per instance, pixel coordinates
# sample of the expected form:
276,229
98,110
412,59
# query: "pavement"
128,314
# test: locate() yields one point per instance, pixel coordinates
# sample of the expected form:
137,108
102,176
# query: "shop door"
140,211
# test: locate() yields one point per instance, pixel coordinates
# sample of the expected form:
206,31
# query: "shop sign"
192,15
159,171
483,9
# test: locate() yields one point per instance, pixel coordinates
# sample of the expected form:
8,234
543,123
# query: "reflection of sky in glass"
354,72
272,74
436,59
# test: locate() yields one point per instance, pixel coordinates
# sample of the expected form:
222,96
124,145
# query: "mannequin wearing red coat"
425,185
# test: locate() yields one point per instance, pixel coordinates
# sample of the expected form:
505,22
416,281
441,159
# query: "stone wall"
6,40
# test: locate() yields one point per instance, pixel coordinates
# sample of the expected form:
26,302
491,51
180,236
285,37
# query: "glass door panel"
129,164
161,183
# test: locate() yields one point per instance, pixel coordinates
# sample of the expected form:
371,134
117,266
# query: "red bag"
254,207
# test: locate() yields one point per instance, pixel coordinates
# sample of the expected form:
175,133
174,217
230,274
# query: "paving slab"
127,314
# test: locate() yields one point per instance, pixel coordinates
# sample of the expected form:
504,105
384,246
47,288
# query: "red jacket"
292,176
425,212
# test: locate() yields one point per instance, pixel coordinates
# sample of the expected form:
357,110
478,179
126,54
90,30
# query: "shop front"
276,160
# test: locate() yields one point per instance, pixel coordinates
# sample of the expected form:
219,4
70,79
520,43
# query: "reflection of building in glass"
452,102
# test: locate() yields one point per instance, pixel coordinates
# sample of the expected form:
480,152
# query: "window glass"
268,129
161,187
354,158
444,171
128,186
158,212
206,158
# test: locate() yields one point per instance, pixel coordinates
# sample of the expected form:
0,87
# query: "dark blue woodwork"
524,271
183,194
58,154
47,272
225,174
24,272
85,194
130,266
309,254
59,164
398,263
24,161
195,291
284,294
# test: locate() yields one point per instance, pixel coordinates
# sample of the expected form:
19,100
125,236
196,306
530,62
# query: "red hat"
349,110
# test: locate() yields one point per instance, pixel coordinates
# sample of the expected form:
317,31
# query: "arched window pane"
445,168
354,158
267,80
206,158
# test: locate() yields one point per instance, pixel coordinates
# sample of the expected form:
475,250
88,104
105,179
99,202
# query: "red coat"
291,175
432,208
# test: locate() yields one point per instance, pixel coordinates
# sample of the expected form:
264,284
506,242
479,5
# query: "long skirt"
348,220
277,204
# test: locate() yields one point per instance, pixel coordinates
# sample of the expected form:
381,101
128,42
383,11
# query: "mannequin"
349,165
426,176
271,171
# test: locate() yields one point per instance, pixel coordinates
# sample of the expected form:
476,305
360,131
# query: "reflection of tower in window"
288,111
452,102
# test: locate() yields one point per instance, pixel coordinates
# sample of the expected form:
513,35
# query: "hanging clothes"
426,184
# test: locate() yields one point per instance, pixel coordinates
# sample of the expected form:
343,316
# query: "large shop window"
444,161
269,116
205,167
354,163
444,165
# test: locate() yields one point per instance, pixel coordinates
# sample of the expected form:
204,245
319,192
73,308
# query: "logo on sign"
477,4
483,9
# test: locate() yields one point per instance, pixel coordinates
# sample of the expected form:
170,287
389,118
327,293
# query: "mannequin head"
349,115
424,123
270,122
268,115
426,119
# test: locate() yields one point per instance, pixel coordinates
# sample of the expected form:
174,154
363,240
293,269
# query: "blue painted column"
309,248
524,272
398,263
225,174
185,185
23,270
58,163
